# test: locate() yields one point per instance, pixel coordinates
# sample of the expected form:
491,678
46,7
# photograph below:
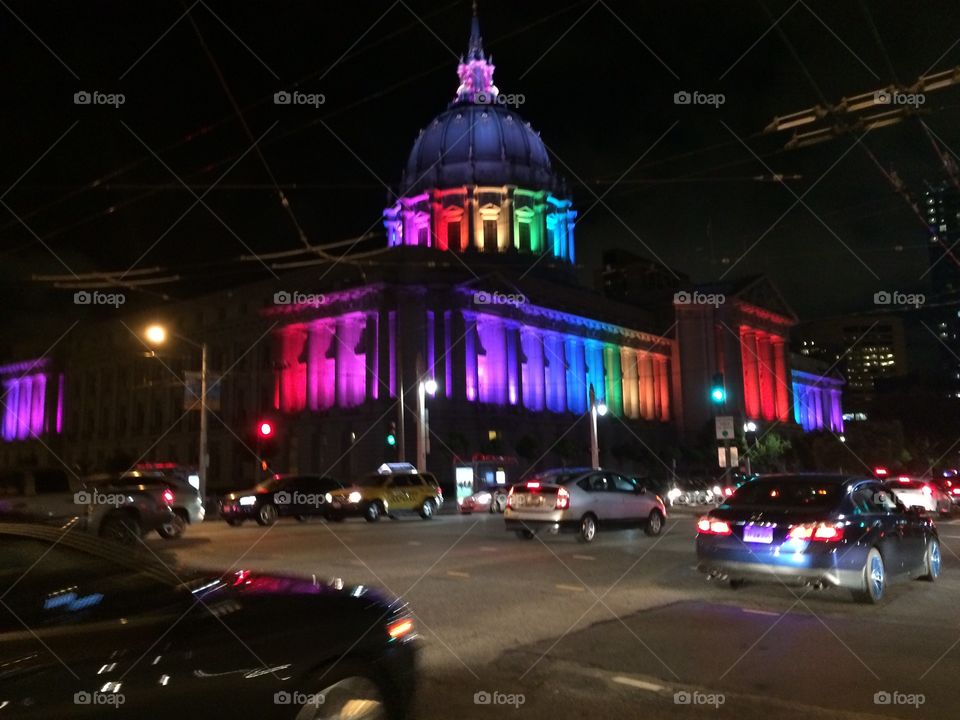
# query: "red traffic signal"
265,429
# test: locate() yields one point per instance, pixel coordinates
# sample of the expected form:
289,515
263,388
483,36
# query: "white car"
916,492
582,500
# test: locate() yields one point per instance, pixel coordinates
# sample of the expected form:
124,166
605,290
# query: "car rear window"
787,493
905,485
558,478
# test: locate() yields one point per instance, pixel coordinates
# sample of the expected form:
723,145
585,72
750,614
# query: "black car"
818,530
299,496
115,633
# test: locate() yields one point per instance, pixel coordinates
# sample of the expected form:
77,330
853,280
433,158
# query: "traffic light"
718,393
265,429
267,436
392,434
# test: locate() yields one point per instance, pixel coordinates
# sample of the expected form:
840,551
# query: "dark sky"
599,80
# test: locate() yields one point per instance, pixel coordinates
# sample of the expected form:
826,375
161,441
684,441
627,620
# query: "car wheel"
654,523
234,522
267,515
121,528
499,503
354,695
588,529
426,510
173,529
372,513
526,534
874,579
931,561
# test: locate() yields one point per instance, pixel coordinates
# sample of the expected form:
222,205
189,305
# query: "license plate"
754,533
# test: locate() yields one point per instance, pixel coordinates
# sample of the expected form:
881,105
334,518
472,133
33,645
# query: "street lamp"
157,335
424,388
597,408
749,433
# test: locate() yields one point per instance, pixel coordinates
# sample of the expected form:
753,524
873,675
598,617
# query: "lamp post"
749,433
424,388
157,335
596,409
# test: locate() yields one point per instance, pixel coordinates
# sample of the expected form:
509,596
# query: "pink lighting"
24,404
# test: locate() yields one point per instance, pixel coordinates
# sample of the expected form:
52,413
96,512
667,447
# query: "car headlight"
674,493
248,500
354,497
328,497
717,490
483,497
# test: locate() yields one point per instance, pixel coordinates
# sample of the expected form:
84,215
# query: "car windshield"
787,493
372,481
557,478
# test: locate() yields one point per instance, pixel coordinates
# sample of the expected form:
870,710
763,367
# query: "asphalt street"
623,627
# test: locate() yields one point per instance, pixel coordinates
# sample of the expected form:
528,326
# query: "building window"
493,435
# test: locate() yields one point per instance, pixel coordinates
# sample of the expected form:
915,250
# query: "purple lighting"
24,407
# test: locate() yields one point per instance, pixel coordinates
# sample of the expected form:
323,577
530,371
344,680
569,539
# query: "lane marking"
584,557
760,612
640,684
457,573
571,588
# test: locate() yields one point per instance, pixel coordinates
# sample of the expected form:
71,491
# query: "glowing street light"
424,388
156,334
597,408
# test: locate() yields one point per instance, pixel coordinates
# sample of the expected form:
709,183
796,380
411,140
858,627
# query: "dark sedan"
299,496
91,630
818,530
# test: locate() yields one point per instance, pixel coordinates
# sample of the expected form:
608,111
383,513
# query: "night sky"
599,80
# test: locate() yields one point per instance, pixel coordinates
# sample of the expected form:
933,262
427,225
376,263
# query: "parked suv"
53,496
388,493
299,496
187,505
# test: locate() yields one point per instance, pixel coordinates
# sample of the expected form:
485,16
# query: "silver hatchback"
582,500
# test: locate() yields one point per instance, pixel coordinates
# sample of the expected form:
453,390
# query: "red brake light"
956,491
812,531
880,471
728,491
168,497
709,526
563,499
400,628
533,485
903,478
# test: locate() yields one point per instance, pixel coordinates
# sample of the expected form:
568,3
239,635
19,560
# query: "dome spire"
475,71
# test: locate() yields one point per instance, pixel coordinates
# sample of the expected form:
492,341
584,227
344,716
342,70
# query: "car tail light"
709,526
903,479
168,496
956,491
728,491
820,532
927,490
563,499
533,485
399,629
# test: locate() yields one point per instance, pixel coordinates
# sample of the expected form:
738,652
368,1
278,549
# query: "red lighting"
880,471
709,526
813,531
903,478
533,485
927,490
168,496
563,499
400,628
265,429
728,491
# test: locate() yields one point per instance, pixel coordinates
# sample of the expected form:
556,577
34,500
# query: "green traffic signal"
391,439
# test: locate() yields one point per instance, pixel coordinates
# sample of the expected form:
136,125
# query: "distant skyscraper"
942,204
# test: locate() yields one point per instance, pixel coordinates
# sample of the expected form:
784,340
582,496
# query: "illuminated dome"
471,144
477,140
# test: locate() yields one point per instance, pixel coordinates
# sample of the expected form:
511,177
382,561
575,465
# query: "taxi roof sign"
397,468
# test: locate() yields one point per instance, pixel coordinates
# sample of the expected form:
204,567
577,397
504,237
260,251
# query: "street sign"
724,425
